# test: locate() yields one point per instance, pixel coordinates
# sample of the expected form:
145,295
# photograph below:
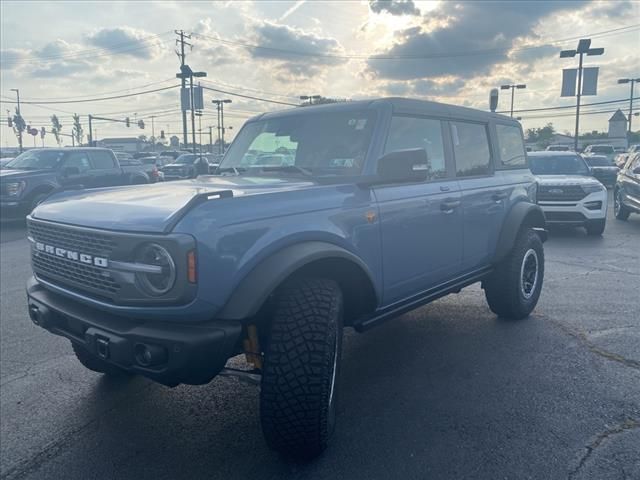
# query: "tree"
541,136
56,128
19,126
78,133
142,138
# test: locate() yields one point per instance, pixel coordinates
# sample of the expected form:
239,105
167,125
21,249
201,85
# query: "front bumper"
191,353
591,208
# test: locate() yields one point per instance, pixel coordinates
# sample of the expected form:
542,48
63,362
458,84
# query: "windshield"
601,149
558,165
186,159
36,160
318,144
558,148
598,161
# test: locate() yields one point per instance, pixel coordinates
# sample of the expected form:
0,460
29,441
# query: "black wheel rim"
529,273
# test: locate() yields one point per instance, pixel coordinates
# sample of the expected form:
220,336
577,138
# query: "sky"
451,52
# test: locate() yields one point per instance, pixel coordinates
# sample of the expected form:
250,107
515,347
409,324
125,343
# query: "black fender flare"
254,289
522,213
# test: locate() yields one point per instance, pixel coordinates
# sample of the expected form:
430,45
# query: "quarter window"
411,132
471,149
102,160
512,153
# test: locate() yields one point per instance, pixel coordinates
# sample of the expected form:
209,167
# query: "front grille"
563,193
67,272
564,216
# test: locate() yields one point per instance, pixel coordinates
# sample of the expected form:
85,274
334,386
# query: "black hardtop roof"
399,105
552,153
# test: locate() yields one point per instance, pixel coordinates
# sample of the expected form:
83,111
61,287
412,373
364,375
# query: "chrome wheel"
529,273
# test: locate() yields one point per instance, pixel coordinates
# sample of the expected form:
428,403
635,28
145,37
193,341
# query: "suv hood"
150,208
565,180
9,174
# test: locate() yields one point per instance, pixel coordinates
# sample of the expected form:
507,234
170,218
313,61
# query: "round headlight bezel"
153,284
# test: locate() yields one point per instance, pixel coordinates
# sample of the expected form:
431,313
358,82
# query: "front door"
421,223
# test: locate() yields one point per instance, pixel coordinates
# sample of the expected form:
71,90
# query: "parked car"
34,174
619,149
606,150
603,169
5,160
567,191
274,261
189,165
634,148
123,156
558,148
150,169
626,193
621,159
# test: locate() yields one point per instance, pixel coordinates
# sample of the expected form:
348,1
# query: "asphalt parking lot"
447,391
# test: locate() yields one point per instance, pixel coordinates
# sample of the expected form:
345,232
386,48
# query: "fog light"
593,205
149,355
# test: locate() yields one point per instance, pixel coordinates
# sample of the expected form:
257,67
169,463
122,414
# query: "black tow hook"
39,315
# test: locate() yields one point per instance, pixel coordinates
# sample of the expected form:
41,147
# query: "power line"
88,53
493,51
226,92
95,99
624,100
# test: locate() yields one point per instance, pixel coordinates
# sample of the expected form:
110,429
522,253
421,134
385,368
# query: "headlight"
159,282
14,189
593,188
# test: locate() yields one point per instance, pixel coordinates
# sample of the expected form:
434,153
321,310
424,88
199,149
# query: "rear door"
105,170
421,223
631,181
484,194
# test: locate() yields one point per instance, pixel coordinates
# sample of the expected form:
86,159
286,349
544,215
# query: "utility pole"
210,138
182,57
90,132
220,108
583,49
20,115
153,133
513,89
632,81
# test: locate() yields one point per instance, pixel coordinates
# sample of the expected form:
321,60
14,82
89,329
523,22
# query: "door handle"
449,206
496,197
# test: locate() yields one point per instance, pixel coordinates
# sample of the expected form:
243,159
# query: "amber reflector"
191,267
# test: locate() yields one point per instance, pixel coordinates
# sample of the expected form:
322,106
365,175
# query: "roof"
618,117
401,105
120,140
547,153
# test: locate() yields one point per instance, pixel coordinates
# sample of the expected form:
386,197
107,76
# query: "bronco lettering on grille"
72,255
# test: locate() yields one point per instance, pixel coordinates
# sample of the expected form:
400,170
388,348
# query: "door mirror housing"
69,171
403,166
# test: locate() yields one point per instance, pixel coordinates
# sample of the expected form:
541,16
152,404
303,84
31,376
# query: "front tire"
301,369
513,289
596,227
621,212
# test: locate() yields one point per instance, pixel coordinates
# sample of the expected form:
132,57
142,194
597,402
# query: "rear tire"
596,227
301,369
513,289
621,212
93,363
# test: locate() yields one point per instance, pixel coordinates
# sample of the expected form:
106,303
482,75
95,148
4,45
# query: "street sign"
569,77
185,99
590,81
198,98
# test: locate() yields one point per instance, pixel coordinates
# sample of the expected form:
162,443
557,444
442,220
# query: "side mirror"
68,171
404,166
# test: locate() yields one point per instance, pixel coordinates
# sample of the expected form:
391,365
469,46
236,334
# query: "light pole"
311,98
513,89
20,115
583,48
186,72
632,81
220,108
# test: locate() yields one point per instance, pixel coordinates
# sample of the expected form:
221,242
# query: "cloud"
394,7
10,58
127,41
490,28
276,41
425,88
59,59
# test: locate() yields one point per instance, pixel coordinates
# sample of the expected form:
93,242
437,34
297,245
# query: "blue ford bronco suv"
318,218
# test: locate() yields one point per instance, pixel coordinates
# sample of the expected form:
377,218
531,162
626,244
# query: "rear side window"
102,160
512,153
471,149
411,132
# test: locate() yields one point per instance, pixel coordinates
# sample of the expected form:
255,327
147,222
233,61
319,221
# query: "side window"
471,149
635,163
79,160
102,160
411,132
511,146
